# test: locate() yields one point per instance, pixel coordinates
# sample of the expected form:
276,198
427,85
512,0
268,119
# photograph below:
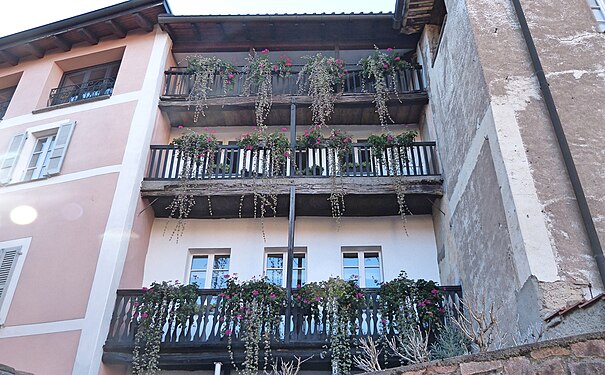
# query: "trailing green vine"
321,76
258,76
392,150
195,152
204,70
163,303
252,310
377,69
339,146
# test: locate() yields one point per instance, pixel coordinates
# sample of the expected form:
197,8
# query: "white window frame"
8,294
598,9
210,254
26,149
361,251
284,252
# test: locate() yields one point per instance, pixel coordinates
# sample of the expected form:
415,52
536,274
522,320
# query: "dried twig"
411,346
368,361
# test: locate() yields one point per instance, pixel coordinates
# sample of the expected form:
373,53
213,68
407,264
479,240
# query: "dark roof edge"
67,23
168,18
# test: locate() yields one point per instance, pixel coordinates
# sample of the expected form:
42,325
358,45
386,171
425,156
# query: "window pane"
218,279
371,259
298,278
299,261
373,277
199,263
198,277
275,276
351,274
350,260
221,262
275,261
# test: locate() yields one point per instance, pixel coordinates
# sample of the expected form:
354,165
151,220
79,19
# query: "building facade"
91,105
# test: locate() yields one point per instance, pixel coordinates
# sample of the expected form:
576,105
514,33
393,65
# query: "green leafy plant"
204,70
258,75
165,302
195,151
283,66
375,69
322,75
311,138
337,302
339,146
252,310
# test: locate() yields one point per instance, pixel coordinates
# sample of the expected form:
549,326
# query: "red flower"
389,49
397,58
228,332
265,51
288,63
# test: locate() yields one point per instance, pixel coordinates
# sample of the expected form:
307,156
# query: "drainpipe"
398,15
570,166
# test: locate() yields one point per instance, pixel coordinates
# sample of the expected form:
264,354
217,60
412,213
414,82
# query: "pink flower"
421,304
135,304
272,296
228,332
136,315
226,276
397,58
239,316
221,319
221,294
255,292
305,301
230,75
427,302
284,129
275,68
389,138
180,126
288,63
358,295
346,70
144,315
265,51
386,66
248,147
441,310
389,49
145,289
318,299
434,291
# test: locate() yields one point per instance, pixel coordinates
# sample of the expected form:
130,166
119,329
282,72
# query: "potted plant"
205,70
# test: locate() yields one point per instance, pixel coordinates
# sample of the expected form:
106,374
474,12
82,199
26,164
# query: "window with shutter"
11,157
8,261
598,10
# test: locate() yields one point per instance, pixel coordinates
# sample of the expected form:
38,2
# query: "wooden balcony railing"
179,82
206,326
230,162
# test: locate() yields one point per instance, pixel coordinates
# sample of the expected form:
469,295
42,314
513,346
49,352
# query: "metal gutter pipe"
570,166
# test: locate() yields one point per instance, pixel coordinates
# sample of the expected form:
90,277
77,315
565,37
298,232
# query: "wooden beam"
60,42
196,31
116,28
143,22
90,37
273,31
35,50
9,58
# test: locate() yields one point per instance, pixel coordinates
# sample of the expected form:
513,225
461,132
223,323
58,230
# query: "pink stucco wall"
58,271
49,354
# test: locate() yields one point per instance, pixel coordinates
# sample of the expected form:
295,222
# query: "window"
12,257
37,153
208,271
598,10
5,97
364,266
85,83
275,267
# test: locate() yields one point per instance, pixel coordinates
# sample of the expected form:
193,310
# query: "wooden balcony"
230,173
353,106
200,341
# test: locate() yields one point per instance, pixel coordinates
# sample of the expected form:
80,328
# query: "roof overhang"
411,15
112,22
210,33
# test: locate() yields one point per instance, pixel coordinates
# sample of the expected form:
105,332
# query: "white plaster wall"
414,253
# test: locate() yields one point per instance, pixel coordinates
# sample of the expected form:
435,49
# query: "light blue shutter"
11,157
58,153
8,261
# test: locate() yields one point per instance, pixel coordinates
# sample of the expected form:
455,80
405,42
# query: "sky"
19,15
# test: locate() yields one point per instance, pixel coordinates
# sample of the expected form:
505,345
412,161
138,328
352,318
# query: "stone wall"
508,225
577,355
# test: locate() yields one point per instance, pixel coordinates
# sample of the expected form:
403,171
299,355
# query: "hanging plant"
339,146
394,149
283,66
163,303
337,302
268,152
196,154
380,69
205,70
319,78
258,76
252,310
311,138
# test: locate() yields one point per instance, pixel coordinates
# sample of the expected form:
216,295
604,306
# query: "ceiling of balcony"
194,34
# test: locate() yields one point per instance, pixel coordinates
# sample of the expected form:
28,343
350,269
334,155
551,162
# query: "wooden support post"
291,218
